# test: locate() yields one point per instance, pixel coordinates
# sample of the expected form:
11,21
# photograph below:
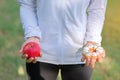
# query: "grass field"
12,67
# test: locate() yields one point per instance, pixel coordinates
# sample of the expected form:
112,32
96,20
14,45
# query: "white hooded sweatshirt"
62,26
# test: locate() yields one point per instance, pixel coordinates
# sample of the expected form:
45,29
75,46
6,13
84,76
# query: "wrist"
92,43
33,38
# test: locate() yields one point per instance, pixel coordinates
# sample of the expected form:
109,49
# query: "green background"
12,67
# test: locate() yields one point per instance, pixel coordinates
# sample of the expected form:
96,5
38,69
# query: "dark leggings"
46,71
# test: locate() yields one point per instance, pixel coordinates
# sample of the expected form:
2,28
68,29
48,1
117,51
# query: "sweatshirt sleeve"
95,20
29,18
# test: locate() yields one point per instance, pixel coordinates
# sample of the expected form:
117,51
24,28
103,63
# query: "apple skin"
32,49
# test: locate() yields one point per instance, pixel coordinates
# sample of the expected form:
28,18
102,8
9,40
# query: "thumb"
21,49
83,58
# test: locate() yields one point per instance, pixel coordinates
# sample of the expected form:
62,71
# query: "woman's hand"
25,56
92,53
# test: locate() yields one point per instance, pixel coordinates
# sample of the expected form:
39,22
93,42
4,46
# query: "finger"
40,55
100,56
83,58
92,62
30,60
101,51
35,60
87,61
24,56
103,55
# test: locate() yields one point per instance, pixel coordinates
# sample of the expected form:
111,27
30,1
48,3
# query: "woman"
64,29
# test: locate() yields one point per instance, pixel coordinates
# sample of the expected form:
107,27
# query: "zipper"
61,38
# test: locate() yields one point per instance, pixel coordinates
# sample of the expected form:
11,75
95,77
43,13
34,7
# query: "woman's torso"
63,26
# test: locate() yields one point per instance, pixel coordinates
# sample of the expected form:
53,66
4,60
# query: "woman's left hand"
92,54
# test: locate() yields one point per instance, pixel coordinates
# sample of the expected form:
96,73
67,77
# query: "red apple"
32,49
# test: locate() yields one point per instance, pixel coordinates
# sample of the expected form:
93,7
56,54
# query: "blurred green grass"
12,67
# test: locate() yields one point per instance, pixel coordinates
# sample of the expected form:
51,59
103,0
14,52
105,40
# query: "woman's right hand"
25,56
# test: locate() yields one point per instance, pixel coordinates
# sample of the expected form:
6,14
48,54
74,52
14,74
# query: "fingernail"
40,55
26,55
